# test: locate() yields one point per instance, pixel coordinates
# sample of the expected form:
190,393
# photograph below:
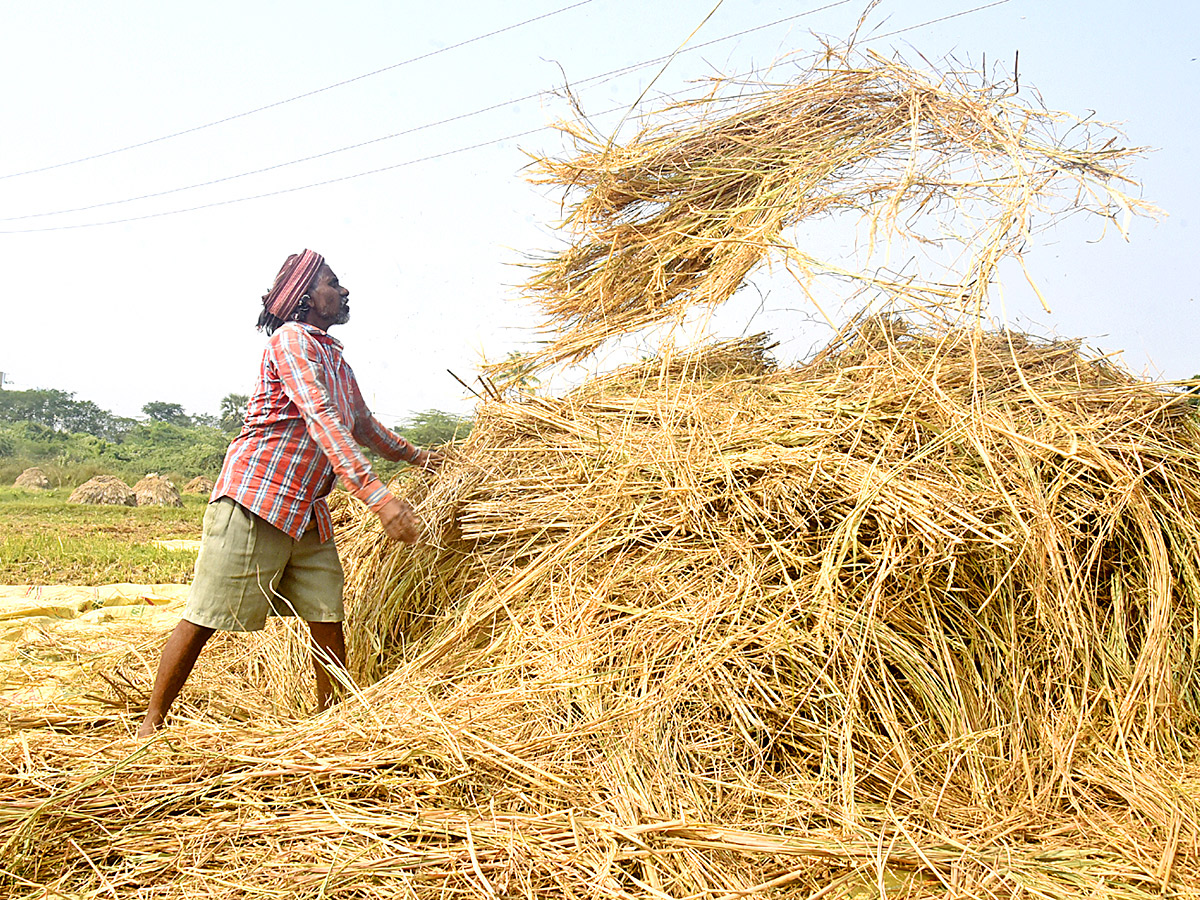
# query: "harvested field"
47,540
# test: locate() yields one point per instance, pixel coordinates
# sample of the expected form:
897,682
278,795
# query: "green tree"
518,373
233,412
165,447
171,413
434,428
60,411
74,440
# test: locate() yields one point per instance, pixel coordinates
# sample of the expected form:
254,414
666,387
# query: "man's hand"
400,521
430,459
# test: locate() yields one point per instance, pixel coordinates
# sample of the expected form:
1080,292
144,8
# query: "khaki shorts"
248,569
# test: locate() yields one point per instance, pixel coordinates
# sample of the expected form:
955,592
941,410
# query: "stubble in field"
46,540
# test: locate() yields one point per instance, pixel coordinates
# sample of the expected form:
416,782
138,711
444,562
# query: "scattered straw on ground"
56,640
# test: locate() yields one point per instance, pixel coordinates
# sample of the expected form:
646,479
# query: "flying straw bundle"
199,485
679,215
156,490
104,490
33,479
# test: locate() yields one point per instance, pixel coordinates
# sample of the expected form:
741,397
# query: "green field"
46,540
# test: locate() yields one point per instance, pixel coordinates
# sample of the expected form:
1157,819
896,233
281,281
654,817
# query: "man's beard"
343,315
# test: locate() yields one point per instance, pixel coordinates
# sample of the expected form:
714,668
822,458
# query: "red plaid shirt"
302,426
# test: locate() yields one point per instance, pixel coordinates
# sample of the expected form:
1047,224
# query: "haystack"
843,575
33,479
104,490
199,485
918,618
156,490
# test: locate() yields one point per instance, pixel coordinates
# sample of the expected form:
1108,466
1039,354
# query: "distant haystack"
33,479
104,490
199,485
156,490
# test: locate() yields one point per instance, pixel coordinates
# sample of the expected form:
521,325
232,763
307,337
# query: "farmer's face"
327,301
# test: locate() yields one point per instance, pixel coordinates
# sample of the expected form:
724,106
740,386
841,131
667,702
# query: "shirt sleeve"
370,432
298,363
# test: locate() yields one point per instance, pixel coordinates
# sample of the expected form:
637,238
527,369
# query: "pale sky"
163,308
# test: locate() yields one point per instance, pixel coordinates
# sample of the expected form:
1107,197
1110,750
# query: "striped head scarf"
292,281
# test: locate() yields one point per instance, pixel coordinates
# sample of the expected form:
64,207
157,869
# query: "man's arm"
370,432
303,377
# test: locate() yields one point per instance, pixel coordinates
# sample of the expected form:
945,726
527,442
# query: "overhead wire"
434,156
276,166
965,12
312,93
290,190
495,106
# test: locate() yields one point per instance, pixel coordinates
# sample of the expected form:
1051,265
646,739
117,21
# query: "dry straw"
104,490
33,479
199,485
920,613
156,490
918,618
710,189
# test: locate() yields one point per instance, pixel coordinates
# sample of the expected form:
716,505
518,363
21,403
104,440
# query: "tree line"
73,440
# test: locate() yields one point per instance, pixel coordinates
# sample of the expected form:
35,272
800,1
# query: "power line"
291,190
313,93
271,168
610,74
446,153
965,12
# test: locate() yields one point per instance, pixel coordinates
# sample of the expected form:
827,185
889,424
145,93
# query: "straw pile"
156,490
33,479
104,490
199,485
951,572
923,613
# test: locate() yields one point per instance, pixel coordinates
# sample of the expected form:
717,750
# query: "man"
267,546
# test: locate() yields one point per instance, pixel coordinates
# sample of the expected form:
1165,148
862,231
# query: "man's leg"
179,655
329,643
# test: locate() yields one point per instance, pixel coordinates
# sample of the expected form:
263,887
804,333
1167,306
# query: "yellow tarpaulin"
175,544
65,601
50,637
